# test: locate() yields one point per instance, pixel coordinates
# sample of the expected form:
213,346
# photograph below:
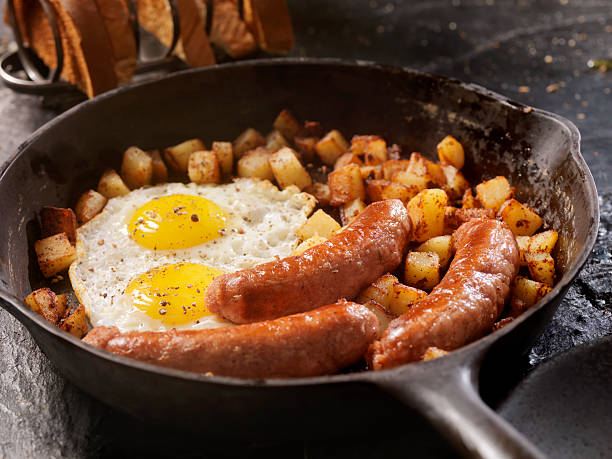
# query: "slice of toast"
270,23
229,31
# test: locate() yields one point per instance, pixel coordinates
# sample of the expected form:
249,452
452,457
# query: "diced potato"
89,205
320,191
371,172
54,254
45,302
136,168
521,219
345,185
255,163
225,154
287,125
177,156
372,147
346,159
204,167
313,128
331,147
306,146
275,141
543,242
523,245
442,245
394,152
307,244
76,322
112,185
403,297
380,291
433,353
318,224
541,267
529,291
410,179
455,217
288,170
350,210
54,220
422,167
427,212
468,201
62,303
393,165
456,184
493,193
422,270
450,151
379,190
247,141
383,316
160,171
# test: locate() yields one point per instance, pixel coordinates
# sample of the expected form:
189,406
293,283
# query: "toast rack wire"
23,71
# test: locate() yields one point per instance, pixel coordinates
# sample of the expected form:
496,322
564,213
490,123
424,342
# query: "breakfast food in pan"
229,275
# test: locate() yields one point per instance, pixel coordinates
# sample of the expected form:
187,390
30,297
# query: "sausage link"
341,267
314,343
463,306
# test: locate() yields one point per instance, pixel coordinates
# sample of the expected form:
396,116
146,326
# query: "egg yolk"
173,293
177,221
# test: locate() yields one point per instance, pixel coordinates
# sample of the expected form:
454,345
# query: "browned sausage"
464,305
309,344
341,267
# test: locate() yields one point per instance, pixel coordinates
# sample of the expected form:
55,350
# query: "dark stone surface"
508,46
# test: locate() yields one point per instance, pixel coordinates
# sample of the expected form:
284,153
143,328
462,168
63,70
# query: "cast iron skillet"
539,151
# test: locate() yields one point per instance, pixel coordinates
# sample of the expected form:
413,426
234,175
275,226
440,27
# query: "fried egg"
145,261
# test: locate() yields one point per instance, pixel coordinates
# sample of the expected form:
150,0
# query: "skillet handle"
452,405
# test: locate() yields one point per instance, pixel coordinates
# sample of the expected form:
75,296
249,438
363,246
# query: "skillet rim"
459,355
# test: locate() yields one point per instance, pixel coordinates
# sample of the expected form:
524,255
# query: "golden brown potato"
247,141
54,220
528,291
89,205
493,193
379,190
331,147
345,185
55,254
403,297
346,159
523,245
410,179
112,185
541,267
427,211
288,170
204,167
393,165
422,270
275,141
136,168
160,171
287,125
441,245
371,172
255,163
450,151
76,322
380,291
318,224
177,156
543,242
468,201
433,353
307,244
306,146
372,148
456,184
46,303
422,167
383,316
521,218
321,193
225,155
350,210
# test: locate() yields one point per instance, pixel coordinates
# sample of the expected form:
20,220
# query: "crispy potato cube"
442,245
275,141
331,147
410,179
160,171
450,151
456,184
346,159
288,170
177,156
287,125
255,163
307,244
318,224
204,167
468,201
493,193
433,353
521,219
136,168
54,220
422,167
393,165
378,190
371,172
320,191
306,146
46,303
225,155
383,316
427,211
541,267
422,270
523,245
403,297
89,205
112,185
543,242
345,185
76,322
372,148
380,291
247,141
350,210
529,291
54,253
